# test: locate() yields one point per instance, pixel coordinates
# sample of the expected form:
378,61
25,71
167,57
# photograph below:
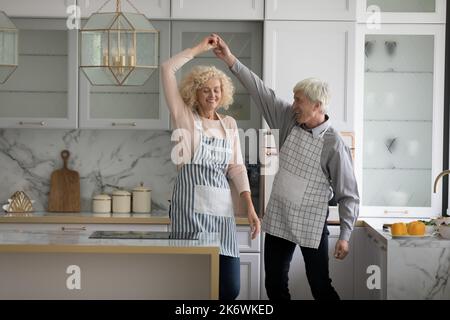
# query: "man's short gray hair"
315,90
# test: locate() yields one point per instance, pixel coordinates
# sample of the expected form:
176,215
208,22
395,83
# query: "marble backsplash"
105,160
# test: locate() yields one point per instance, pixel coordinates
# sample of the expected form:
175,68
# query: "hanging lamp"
118,48
9,53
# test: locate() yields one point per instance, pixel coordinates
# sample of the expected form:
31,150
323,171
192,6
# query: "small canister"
142,199
121,201
101,203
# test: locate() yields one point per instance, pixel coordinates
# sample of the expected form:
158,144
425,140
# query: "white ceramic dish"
411,236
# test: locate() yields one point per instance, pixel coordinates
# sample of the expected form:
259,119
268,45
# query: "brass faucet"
443,173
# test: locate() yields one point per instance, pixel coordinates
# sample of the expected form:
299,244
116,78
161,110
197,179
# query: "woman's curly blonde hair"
197,78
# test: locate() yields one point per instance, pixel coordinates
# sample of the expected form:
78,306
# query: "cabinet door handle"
396,211
73,228
130,124
271,151
37,123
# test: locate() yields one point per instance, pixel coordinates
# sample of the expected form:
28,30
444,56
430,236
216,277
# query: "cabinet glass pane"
398,120
129,102
404,5
38,88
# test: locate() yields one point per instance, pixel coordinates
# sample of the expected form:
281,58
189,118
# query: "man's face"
304,109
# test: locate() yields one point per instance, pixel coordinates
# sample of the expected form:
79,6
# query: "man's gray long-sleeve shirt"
335,160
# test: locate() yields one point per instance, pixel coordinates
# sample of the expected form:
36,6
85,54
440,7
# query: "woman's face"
210,95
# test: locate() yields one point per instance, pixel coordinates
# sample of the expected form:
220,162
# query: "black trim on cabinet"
446,112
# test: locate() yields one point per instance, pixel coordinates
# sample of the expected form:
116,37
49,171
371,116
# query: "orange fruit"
399,229
416,228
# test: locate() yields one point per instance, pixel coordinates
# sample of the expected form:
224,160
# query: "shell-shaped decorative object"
20,203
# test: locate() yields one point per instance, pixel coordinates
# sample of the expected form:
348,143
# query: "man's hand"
223,52
341,249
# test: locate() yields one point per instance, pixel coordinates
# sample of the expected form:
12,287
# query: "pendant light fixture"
9,53
118,48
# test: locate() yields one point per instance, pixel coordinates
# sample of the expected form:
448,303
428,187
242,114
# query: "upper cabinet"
152,9
374,12
399,148
311,10
325,51
127,107
244,39
218,9
41,8
42,92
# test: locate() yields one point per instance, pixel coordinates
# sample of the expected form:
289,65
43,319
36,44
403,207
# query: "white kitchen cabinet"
152,9
250,268
127,107
218,9
341,271
374,12
310,10
244,39
245,241
42,92
41,8
400,88
250,263
370,262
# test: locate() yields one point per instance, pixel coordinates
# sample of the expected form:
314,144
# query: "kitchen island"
416,268
70,265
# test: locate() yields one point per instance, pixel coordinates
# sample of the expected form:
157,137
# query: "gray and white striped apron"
201,198
298,204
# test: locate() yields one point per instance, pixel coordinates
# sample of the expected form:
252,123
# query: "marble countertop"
155,217
57,241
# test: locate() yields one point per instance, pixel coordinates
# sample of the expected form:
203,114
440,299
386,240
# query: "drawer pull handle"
37,123
130,124
73,228
271,151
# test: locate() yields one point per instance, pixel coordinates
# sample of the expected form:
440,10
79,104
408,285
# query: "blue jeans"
278,254
229,277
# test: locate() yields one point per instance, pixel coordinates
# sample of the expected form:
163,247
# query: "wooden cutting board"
64,188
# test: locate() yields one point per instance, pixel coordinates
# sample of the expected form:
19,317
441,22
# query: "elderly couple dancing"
314,165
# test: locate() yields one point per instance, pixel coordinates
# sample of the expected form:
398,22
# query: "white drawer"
246,244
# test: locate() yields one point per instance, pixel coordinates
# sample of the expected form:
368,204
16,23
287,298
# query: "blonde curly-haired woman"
209,155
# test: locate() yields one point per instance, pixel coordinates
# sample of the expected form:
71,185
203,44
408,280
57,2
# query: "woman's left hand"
255,224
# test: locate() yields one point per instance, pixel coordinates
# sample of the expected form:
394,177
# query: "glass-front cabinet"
42,91
401,11
127,107
244,39
400,88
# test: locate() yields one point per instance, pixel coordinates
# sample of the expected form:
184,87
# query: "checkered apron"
298,204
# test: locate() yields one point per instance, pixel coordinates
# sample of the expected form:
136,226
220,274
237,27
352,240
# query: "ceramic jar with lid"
101,203
121,201
142,199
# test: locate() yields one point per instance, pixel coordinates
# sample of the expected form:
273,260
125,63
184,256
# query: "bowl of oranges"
414,229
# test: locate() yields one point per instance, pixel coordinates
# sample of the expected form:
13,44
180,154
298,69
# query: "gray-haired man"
314,163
